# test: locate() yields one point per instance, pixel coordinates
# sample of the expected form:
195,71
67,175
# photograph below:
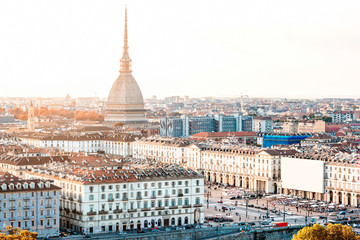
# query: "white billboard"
302,174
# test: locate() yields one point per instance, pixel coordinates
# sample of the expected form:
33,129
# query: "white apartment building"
29,205
116,144
167,150
262,124
345,116
100,201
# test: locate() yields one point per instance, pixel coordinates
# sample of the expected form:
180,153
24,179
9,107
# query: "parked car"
333,214
350,211
220,201
290,213
232,208
232,198
224,208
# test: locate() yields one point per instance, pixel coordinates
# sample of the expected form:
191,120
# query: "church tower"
125,101
31,117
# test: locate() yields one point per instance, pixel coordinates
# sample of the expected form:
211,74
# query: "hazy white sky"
269,48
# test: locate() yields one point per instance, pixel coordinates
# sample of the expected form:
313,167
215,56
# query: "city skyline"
278,50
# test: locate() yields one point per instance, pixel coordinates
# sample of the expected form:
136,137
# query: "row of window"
26,223
27,213
146,204
25,203
154,193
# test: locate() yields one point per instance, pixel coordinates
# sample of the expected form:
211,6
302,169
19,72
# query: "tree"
119,124
311,116
16,234
332,231
326,119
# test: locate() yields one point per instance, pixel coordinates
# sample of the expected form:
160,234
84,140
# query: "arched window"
179,221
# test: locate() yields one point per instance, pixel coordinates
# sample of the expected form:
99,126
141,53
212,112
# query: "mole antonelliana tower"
125,101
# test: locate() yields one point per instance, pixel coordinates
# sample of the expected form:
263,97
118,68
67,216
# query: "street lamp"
247,203
207,200
284,212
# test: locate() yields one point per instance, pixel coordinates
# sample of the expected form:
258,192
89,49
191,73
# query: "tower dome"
125,101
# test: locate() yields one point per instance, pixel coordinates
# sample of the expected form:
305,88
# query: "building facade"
340,179
257,170
103,201
345,116
262,124
30,205
315,126
166,150
116,144
186,126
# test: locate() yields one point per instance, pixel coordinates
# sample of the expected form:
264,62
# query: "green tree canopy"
331,232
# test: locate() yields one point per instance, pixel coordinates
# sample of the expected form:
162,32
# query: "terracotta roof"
24,161
11,183
112,176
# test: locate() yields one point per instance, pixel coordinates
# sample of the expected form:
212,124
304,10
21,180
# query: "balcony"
152,197
125,198
110,200
173,207
118,211
50,197
167,196
91,213
132,210
198,205
103,212
180,195
159,208
145,209
187,206
27,207
79,212
138,197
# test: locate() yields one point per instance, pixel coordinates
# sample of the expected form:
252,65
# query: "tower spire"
125,61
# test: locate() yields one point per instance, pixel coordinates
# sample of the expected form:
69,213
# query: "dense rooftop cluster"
80,174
